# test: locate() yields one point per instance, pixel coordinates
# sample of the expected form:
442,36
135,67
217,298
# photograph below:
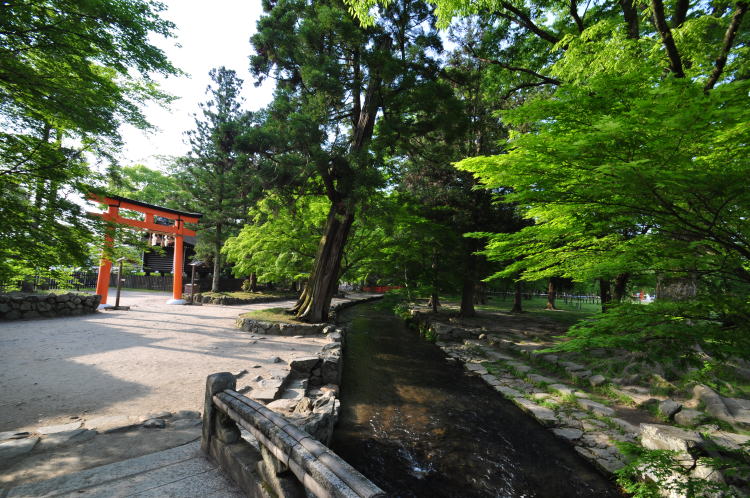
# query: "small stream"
419,427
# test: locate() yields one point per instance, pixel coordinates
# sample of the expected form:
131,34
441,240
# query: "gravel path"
154,357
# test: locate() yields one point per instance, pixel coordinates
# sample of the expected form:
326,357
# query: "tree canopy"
70,73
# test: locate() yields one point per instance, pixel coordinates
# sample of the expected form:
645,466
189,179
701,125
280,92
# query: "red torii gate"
178,230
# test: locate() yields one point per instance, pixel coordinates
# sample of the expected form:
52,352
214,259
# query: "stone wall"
229,300
278,328
26,306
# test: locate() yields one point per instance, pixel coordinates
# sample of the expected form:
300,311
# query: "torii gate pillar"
177,268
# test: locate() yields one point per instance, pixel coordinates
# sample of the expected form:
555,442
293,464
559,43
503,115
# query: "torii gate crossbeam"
177,229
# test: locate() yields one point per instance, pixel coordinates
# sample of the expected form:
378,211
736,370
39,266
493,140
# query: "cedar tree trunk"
312,306
621,284
551,294
517,306
605,294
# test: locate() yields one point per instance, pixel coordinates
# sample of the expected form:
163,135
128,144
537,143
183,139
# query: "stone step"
183,471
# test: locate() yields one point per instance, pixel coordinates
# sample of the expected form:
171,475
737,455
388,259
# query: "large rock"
669,408
666,437
714,403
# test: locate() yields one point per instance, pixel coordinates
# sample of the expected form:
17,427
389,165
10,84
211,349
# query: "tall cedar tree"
334,77
215,173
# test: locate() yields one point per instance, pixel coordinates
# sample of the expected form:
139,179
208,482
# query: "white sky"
209,34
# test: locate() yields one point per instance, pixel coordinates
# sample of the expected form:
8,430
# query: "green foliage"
665,472
142,183
71,72
280,240
395,301
660,330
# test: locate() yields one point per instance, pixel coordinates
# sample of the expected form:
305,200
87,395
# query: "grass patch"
567,314
276,315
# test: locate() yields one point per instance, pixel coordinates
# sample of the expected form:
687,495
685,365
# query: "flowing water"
417,426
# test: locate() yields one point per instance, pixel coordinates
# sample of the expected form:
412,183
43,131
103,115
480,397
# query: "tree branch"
576,17
525,20
680,13
675,62
522,86
630,14
545,79
721,60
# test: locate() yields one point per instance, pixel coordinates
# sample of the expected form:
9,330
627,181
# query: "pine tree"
215,173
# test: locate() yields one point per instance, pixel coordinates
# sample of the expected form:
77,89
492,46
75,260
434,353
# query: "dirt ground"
154,357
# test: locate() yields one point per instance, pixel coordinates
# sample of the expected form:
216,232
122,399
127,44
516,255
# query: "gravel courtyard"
154,357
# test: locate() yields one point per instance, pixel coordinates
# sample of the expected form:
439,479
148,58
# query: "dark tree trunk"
217,261
551,294
605,293
621,285
517,298
312,306
480,293
253,282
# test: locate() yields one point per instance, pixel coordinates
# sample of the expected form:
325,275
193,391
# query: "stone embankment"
27,306
592,413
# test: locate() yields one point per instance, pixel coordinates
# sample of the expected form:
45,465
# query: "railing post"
215,423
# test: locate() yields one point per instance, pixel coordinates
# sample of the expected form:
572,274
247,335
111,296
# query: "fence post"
216,423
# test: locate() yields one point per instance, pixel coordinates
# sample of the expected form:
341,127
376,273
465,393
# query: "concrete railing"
288,460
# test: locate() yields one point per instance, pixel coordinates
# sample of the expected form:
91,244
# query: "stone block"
475,368
542,414
17,447
109,424
540,379
155,423
596,408
626,426
57,439
568,434
562,389
4,436
668,408
597,380
666,437
689,417
51,429
304,365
